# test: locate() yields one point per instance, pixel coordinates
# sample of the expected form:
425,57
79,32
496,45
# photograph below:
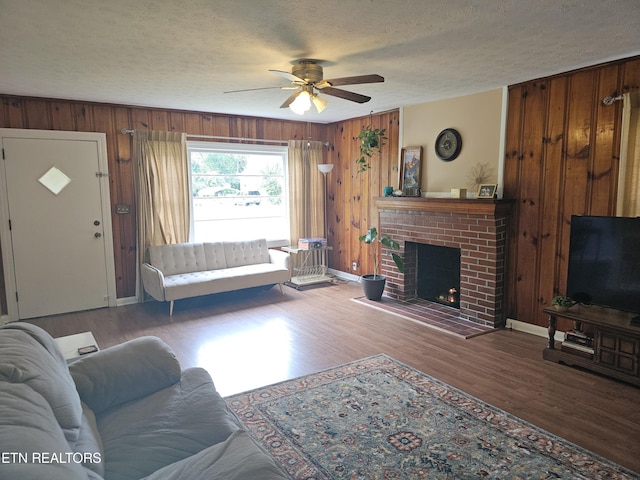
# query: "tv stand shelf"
616,341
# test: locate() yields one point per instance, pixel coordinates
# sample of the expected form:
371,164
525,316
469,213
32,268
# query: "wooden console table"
615,341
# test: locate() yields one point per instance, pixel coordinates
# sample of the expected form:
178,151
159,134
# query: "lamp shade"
303,100
302,103
319,102
325,167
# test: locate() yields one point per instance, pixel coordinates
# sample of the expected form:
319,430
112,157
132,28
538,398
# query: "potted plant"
562,302
371,141
373,284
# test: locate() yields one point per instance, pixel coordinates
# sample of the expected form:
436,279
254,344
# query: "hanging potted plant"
371,142
373,284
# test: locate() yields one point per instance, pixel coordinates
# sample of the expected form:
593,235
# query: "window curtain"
306,190
628,204
162,191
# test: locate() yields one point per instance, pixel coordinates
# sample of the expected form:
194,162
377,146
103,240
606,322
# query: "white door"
57,249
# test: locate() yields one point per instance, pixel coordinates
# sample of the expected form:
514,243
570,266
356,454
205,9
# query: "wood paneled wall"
48,114
561,158
350,194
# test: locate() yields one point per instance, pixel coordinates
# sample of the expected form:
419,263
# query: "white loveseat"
185,270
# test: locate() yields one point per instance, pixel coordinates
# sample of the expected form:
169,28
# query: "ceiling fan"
306,78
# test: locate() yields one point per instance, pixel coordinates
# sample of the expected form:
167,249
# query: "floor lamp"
325,168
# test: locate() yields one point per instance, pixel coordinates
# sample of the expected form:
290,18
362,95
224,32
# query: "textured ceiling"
183,54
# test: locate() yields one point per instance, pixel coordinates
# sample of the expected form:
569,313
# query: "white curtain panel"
162,190
306,191
306,202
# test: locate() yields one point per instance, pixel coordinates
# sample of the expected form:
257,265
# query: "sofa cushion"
255,275
194,284
237,458
125,372
246,252
186,285
30,356
29,427
187,257
177,422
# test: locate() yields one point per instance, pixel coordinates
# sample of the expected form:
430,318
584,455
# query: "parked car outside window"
219,196
252,197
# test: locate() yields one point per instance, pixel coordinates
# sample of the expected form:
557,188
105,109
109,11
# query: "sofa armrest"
153,281
125,372
278,257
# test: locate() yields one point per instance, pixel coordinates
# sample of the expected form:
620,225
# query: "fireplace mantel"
469,206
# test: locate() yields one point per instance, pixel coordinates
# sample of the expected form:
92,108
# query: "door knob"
96,222
97,234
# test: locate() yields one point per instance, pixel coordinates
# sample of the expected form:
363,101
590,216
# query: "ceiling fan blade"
286,87
354,97
289,76
289,100
339,82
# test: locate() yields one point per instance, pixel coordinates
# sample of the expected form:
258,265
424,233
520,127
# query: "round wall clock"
448,144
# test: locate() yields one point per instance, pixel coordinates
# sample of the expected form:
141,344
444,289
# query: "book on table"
577,349
579,337
311,243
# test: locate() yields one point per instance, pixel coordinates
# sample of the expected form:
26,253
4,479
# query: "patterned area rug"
380,419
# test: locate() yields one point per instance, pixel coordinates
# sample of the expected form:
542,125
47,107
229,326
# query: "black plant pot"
373,287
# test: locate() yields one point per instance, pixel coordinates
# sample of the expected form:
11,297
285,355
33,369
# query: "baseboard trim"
343,275
532,329
126,301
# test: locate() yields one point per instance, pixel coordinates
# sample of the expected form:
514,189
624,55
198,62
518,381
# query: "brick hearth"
477,227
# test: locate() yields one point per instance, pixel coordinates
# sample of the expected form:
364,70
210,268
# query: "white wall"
478,118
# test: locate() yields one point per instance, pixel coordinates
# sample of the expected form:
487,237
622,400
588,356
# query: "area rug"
377,418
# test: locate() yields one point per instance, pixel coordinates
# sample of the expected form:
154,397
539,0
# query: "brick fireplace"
477,227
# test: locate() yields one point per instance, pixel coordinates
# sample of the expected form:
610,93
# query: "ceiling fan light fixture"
306,77
319,102
302,103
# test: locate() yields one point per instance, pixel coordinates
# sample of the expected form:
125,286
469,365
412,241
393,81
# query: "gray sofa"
123,413
184,270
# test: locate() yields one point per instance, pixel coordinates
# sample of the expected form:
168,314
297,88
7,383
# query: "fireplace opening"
438,274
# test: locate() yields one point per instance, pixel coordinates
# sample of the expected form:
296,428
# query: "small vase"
561,308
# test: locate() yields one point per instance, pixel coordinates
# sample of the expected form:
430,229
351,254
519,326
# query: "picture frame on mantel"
410,167
487,190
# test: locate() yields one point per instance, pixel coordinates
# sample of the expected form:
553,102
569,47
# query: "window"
238,191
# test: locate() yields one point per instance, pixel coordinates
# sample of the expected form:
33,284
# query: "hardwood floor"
250,339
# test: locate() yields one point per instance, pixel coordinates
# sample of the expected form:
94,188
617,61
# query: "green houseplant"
371,142
373,284
562,302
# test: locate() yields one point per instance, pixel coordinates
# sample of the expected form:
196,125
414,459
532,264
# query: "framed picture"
487,190
410,163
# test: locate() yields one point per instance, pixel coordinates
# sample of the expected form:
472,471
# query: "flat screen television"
604,262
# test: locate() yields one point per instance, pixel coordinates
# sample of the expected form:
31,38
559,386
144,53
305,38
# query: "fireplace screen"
438,274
